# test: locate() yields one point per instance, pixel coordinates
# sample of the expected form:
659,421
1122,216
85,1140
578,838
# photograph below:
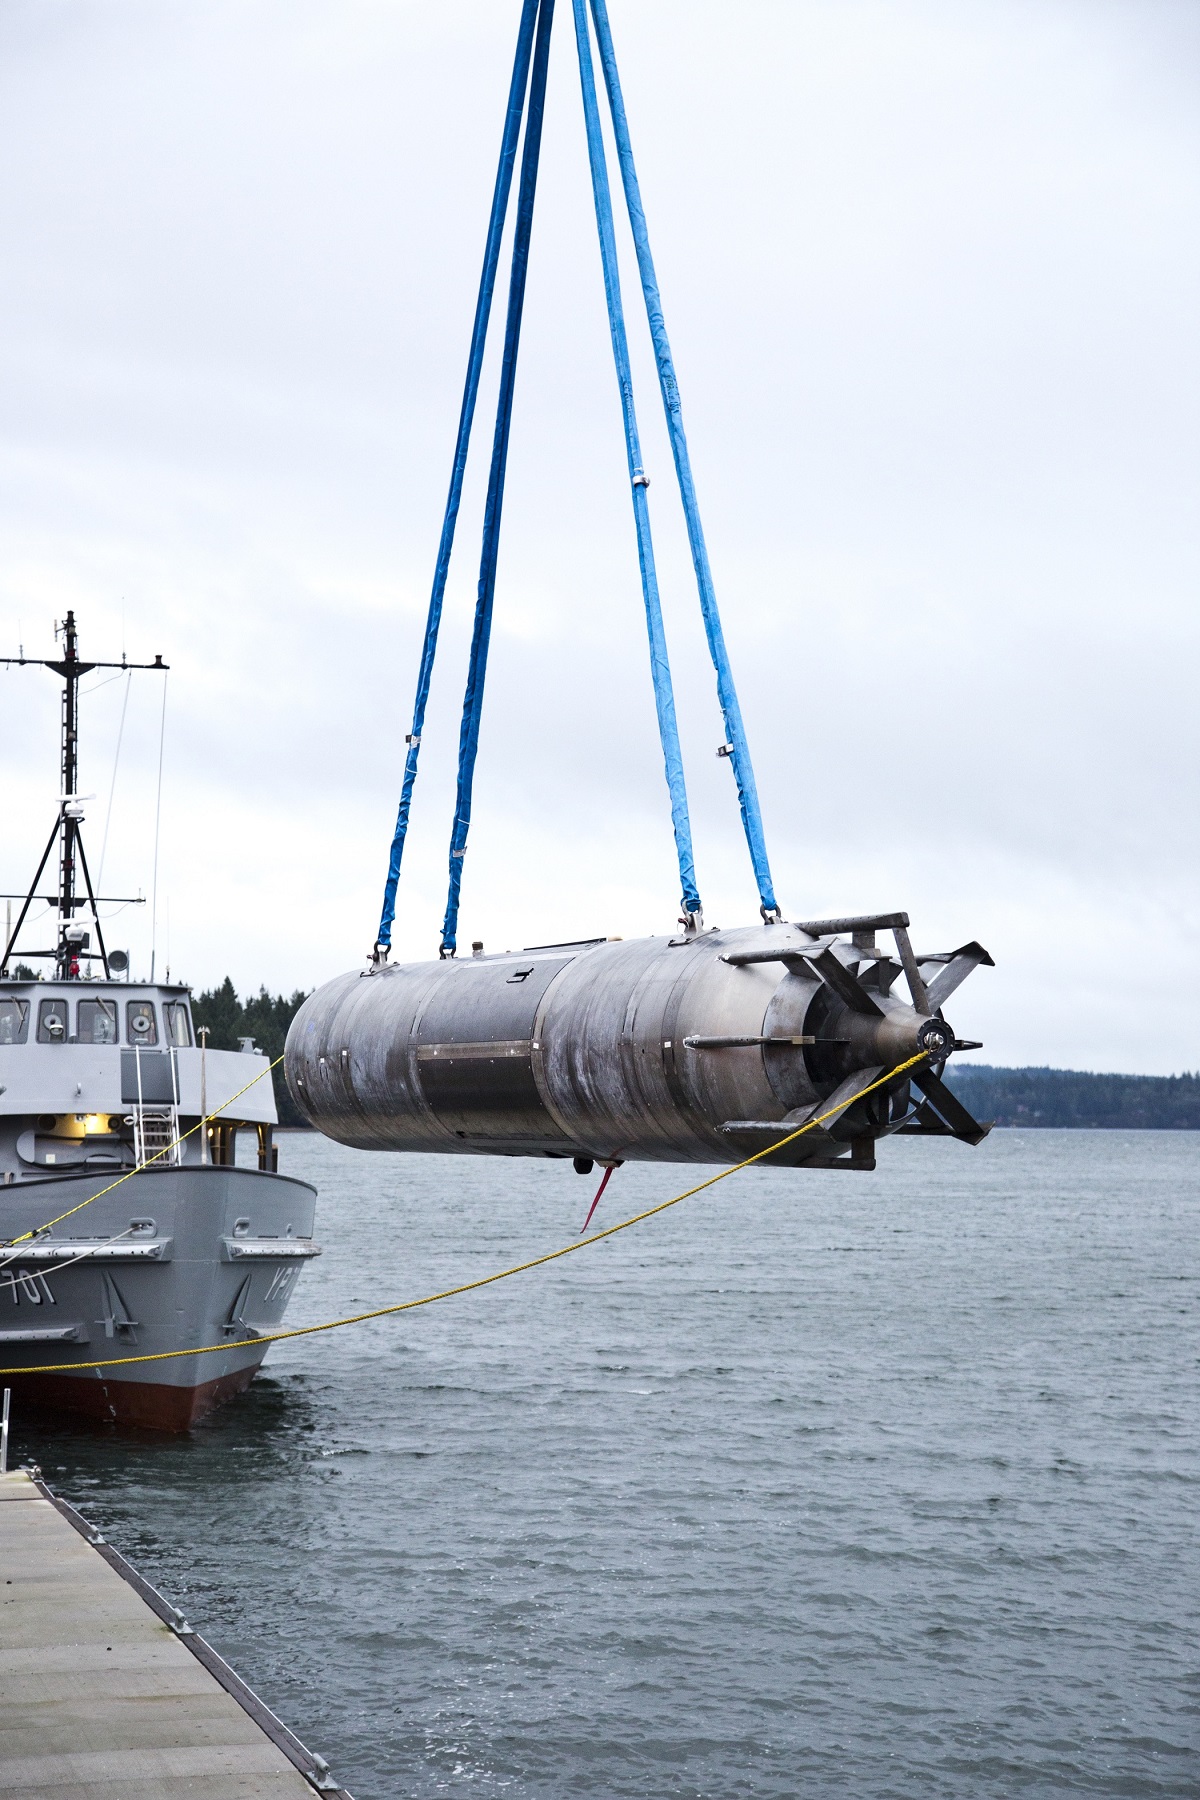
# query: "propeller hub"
936,1038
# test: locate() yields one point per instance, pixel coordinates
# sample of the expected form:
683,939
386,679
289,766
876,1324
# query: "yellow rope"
468,1287
130,1173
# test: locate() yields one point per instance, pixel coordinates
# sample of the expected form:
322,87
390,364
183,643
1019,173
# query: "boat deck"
105,1691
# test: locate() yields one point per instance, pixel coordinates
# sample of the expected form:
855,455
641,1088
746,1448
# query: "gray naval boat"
100,1075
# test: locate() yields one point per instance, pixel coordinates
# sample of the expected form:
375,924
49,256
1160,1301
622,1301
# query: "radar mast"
72,939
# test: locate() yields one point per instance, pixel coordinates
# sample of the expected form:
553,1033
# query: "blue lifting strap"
660,667
468,741
739,751
483,308
529,71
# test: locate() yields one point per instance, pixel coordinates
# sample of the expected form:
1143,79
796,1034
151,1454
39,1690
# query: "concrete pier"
106,1693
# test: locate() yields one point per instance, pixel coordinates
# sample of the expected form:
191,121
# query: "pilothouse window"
97,1022
14,1021
179,1026
141,1023
52,1022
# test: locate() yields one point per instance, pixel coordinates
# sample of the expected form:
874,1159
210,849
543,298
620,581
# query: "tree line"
262,1016
1078,1099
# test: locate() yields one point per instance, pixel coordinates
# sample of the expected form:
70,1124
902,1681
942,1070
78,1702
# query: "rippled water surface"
826,1484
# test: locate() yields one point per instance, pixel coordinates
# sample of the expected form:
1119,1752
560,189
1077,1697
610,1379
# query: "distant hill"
1071,1097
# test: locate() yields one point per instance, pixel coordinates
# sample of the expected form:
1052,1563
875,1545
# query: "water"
819,1485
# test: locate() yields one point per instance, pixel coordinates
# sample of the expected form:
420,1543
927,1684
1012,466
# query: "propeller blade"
956,970
912,974
837,976
949,1107
840,1099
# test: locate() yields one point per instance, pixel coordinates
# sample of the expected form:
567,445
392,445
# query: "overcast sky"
930,271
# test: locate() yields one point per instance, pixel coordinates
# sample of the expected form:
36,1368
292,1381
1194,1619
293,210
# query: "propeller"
885,1034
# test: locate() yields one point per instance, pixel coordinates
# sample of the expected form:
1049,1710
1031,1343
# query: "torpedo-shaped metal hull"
700,1048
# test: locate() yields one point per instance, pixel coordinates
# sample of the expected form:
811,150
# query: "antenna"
72,940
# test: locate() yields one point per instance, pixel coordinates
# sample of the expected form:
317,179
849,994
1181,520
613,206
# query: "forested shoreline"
263,1017
1077,1099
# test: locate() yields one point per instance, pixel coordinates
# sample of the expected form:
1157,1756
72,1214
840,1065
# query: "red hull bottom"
151,1405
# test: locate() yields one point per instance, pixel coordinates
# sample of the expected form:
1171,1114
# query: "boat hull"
149,1405
165,1265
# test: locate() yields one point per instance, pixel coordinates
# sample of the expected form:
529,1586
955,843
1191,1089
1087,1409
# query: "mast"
66,831
71,669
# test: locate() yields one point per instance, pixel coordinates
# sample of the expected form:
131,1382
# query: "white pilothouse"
99,1076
